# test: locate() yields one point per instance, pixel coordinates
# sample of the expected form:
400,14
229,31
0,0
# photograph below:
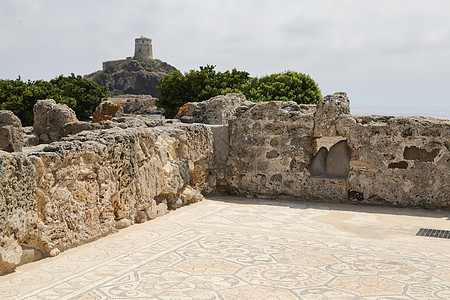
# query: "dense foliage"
199,85
82,95
177,88
287,86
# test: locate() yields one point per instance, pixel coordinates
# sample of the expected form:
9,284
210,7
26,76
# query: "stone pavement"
235,248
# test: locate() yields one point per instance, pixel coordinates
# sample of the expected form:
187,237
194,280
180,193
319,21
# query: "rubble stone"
11,137
399,161
215,111
329,110
106,111
129,170
50,118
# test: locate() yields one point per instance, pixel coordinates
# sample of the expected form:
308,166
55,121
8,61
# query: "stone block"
328,111
106,111
215,111
50,118
11,136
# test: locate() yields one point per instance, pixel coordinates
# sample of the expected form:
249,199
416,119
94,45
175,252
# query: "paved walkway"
231,248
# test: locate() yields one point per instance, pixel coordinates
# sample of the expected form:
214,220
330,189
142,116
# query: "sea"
442,112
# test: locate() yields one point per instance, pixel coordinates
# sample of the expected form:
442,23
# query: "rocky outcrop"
134,77
11,137
50,118
215,111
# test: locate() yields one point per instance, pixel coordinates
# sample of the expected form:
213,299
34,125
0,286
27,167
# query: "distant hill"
133,77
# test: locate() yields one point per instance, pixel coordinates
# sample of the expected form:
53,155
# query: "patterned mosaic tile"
226,250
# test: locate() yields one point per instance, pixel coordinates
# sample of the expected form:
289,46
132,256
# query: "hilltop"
139,77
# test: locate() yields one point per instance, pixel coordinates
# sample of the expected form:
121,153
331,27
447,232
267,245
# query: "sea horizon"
440,112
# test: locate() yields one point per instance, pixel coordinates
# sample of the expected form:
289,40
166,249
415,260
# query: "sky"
381,52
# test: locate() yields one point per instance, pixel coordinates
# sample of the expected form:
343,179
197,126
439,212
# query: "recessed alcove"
332,160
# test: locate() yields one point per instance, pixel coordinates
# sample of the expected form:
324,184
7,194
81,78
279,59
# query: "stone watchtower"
143,49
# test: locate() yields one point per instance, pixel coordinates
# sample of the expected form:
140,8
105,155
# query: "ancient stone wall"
270,149
143,49
284,149
88,185
402,161
114,63
95,178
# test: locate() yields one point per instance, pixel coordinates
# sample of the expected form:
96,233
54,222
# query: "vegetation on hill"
133,77
82,95
199,85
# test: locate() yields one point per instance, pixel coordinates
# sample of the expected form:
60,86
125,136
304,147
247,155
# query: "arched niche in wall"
331,161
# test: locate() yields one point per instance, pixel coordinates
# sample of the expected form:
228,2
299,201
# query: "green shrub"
82,95
286,86
199,85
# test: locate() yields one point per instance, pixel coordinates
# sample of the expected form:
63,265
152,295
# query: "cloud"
372,49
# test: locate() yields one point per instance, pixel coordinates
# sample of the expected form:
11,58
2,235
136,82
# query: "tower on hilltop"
143,49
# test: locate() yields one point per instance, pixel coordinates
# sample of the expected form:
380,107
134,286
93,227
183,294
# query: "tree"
81,95
286,86
199,85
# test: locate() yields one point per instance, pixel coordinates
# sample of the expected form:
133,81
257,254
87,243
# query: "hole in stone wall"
355,195
272,154
333,161
415,153
398,165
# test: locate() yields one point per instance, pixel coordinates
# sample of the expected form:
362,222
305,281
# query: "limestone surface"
100,177
50,118
215,111
329,110
271,147
106,111
11,137
92,183
400,161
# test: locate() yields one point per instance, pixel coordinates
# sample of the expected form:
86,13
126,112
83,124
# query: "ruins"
78,181
143,51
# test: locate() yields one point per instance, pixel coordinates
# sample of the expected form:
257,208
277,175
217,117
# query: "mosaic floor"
230,248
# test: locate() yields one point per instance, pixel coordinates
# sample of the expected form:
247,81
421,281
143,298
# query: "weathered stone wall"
402,161
11,137
143,49
99,177
88,185
18,218
214,111
270,149
114,63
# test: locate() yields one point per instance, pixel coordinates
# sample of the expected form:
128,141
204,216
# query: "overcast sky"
381,52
